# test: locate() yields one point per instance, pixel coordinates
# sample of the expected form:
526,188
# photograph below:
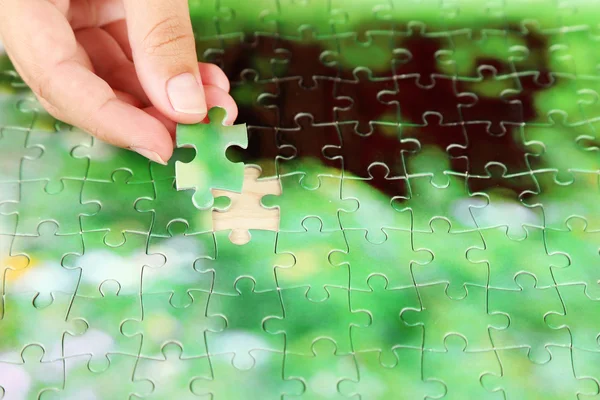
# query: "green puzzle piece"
441,315
56,155
99,383
117,205
323,202
210,169
397,259
387,331
9,197
323,360
12,150
449,262
164,321
580,317
377,381
299,327
581,245
31,323
43,377
244,312
49,276
552,379
121,262
462,382
171,205
528,329
311,249
172,373
116,308
39,203
256,259
105,159
229,382
526,254
178,273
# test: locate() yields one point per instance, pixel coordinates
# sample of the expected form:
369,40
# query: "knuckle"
95,130
98,133
92,126
51,109
168,37
41,85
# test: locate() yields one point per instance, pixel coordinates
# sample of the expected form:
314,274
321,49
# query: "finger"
87,14
110,63
125,97
47,57
215,96
118,30
129,99
214,76
170,125
164,53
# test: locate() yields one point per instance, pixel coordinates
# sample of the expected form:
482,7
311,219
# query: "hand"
123,70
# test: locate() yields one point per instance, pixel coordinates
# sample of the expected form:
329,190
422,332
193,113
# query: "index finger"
164,53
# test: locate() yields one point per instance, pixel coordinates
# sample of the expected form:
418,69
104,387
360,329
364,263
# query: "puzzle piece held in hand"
210,169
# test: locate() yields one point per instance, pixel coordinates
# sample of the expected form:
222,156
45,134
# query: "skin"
114,68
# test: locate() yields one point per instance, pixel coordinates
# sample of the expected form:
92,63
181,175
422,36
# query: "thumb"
164,54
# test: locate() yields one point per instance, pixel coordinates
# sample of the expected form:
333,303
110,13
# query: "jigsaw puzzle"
423,178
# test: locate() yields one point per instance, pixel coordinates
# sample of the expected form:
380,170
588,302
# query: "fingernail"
149,154
185,95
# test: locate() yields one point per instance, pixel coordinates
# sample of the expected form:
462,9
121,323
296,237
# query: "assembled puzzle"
439,216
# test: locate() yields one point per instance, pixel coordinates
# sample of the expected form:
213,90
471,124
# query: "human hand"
125,71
